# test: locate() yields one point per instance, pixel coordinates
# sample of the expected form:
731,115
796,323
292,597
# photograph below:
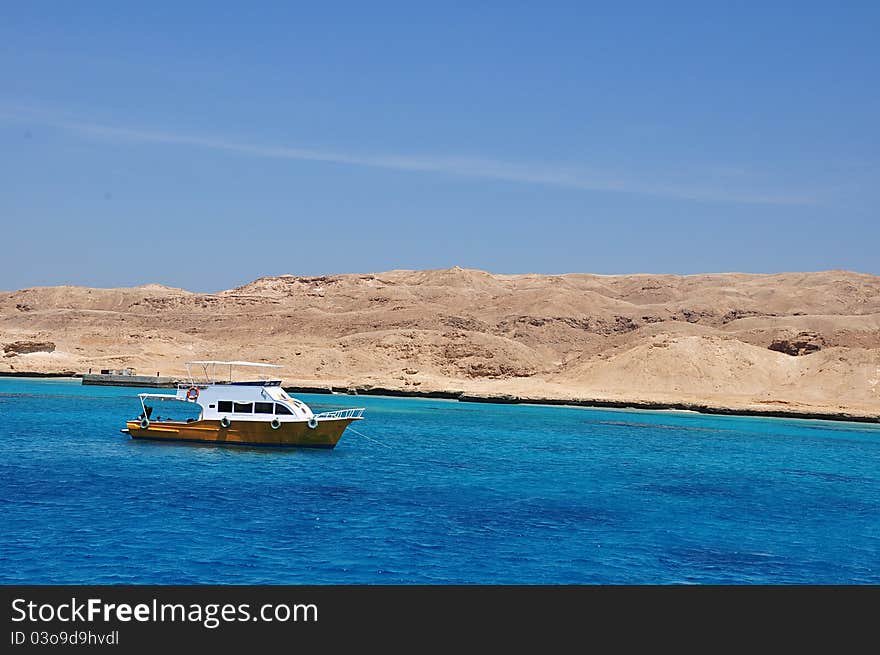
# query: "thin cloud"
470,167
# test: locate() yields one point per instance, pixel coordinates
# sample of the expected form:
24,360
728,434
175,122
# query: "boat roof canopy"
211,370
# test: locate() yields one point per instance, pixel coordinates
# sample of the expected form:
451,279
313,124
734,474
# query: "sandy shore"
809,412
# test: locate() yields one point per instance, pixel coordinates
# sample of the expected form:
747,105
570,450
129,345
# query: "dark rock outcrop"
804,343
25,347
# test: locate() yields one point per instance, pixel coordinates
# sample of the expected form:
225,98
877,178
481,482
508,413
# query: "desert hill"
802,341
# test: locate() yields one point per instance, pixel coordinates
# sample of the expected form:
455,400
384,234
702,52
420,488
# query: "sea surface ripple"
441,492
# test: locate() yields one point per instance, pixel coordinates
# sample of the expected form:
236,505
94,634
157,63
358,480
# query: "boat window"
262,408
224,405
281,409
243,408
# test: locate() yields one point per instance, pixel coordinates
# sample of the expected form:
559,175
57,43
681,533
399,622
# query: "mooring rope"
351,429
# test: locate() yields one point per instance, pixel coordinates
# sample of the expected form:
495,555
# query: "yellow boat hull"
245,433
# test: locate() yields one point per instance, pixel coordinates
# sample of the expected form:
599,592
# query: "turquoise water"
452,493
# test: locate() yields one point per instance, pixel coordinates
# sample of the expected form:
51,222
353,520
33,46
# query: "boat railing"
185,386
341,414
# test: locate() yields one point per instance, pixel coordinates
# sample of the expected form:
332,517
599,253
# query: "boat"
252,412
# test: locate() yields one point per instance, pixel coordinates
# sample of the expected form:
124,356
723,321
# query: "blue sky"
205,144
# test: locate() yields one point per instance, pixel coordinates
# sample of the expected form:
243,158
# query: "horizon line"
439,270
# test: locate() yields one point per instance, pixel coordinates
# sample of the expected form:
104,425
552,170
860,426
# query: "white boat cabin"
261,399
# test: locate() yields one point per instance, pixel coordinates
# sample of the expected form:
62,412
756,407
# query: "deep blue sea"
442,492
